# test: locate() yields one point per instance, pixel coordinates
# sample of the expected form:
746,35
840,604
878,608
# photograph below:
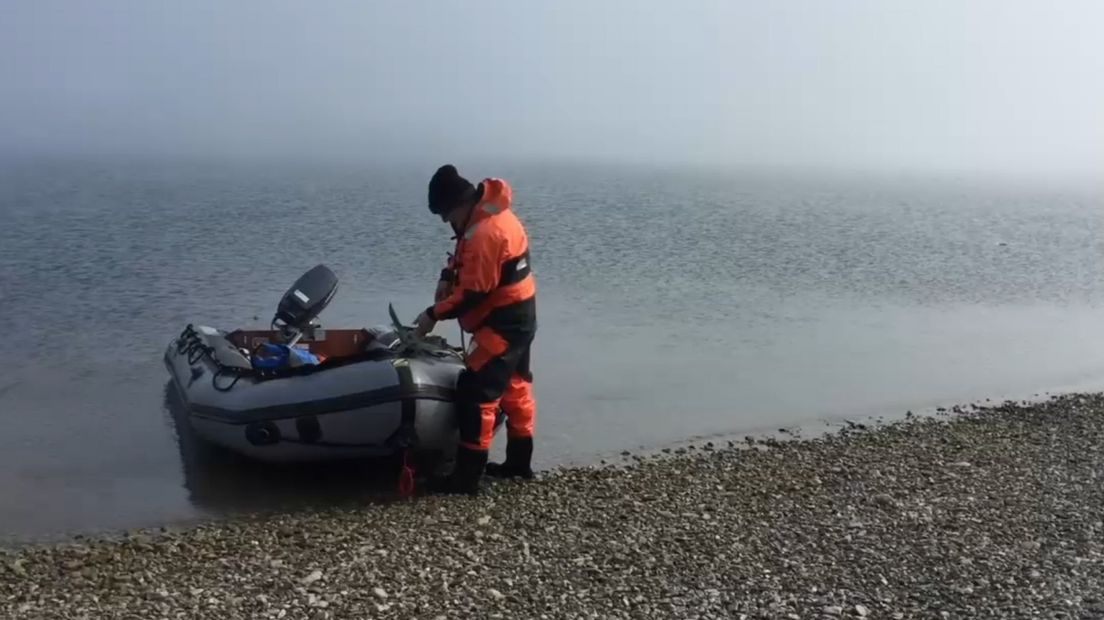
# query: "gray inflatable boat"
339,393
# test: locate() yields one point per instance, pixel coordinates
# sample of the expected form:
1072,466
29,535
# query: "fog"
1008,87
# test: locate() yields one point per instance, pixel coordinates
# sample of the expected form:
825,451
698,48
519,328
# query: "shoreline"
817,426
978,510
809,428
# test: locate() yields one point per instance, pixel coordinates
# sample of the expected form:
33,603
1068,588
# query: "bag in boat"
272,357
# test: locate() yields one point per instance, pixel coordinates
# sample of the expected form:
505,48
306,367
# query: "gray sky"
959,84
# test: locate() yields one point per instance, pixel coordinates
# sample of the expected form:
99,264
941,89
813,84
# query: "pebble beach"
979,512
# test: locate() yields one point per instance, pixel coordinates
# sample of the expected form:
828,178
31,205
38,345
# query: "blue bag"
282,356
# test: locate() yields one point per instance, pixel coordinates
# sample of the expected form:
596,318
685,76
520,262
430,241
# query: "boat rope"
191,345
214,380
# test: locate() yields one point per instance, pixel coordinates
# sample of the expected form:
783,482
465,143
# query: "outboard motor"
304,301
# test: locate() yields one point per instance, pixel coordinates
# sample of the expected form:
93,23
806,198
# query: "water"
672,304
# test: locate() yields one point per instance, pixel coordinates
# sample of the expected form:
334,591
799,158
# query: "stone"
722,534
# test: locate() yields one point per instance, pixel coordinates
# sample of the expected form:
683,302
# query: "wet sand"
977,512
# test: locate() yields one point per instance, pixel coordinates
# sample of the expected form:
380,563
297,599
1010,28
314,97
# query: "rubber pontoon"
367,393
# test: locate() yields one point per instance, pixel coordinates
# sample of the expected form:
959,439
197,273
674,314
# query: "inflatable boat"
298,392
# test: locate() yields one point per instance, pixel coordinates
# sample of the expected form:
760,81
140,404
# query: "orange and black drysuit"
493,297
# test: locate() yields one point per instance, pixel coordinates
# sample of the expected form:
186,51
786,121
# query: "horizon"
484,167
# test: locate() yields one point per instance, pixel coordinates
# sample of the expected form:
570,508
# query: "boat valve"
262,434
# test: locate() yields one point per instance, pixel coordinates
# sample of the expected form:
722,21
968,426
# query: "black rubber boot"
519,454
464,479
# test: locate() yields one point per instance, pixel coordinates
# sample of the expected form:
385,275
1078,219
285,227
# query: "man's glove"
423,325
444,285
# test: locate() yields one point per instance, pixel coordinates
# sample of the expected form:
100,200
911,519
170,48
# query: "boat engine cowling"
306,299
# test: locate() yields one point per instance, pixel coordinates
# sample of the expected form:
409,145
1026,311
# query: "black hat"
448,190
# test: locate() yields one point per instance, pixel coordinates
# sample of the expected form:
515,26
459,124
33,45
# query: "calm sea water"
673,304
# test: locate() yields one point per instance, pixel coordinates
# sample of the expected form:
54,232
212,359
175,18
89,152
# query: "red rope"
406,476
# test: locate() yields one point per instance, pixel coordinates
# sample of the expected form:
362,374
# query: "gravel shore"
980,513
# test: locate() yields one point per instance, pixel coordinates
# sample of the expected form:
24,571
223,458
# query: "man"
490,289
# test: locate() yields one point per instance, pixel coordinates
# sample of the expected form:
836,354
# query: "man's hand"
423,325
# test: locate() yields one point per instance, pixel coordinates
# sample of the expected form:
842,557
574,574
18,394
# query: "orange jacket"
493,283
